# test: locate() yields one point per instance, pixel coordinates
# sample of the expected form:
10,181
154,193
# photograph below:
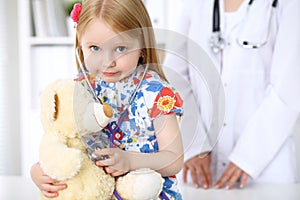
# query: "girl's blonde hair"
122,16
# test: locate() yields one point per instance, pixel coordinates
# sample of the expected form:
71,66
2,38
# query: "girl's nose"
108,60
97,63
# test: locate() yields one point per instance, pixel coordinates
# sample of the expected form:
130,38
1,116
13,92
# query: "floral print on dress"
166,101
154,97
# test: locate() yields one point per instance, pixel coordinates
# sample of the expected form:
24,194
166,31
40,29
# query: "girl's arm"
168,161
46,184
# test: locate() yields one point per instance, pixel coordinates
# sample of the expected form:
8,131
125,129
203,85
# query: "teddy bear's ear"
54,106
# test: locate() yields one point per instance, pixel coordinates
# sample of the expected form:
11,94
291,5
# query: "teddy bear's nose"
108,111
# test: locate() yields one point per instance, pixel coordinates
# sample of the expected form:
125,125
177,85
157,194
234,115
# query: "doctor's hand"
47,185
231,175
199,168
117,162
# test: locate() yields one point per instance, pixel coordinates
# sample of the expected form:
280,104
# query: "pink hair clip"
76,12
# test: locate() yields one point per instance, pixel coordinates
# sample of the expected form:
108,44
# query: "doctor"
255,46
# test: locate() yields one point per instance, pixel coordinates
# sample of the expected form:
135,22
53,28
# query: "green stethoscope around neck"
217,43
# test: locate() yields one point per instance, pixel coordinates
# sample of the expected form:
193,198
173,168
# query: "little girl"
115,43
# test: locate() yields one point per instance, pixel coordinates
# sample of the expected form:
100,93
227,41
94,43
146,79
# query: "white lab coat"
262,86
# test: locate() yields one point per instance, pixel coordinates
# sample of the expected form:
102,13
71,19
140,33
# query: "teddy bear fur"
62,153
140,184
67,114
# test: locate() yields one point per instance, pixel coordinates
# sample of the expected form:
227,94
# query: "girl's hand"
45,183
199,167
231,175
118,162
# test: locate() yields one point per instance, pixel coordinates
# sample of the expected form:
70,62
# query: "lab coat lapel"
241,13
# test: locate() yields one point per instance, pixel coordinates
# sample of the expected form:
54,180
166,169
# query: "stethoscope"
217,43
112,127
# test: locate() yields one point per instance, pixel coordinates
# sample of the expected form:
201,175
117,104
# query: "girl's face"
109,55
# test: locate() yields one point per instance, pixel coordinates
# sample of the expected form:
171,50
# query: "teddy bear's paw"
141,184
63,165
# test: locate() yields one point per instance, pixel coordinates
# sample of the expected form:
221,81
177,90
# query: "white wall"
9,90
297,138
162,12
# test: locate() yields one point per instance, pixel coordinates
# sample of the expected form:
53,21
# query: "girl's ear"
141,58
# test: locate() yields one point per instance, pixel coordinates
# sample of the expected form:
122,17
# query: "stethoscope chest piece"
216,42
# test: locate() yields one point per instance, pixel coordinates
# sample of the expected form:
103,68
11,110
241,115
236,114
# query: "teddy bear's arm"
57,160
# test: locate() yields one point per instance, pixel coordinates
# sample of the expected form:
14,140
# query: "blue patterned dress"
153,98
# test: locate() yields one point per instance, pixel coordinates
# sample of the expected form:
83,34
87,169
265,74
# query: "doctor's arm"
198,166
175,51
273,122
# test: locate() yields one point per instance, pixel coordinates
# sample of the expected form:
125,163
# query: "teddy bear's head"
67,109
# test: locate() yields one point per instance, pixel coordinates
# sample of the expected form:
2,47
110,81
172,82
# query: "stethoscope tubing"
217,42
85,75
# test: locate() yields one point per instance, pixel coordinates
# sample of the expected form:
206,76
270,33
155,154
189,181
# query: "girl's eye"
121,49
95,48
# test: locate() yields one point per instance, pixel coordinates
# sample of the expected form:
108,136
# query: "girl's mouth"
110,73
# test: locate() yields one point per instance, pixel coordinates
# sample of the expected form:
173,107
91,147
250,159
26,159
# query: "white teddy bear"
66,107
69,113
